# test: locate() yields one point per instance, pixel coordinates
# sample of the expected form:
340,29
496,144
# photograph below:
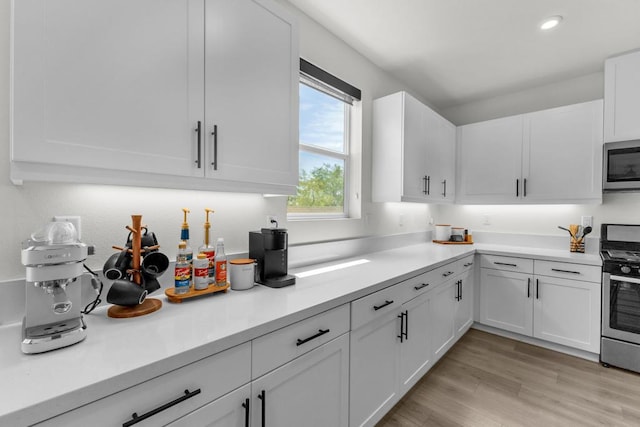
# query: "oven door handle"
625,279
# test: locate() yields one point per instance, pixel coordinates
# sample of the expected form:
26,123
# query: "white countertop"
119,353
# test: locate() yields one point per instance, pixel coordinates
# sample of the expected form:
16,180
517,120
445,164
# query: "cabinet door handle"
406,324
199,132
401,316
215,147
537,289
505,263
262,396
460,287
426,181
428,185
444,188
524,188
386,303
517,187
319,334
245,405
528,287
469,264
135,419
448,273
565,271
424,285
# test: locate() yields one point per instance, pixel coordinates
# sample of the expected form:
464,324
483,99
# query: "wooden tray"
177,298
449,242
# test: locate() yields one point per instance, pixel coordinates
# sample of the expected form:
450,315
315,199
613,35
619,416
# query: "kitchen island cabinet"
548,156
161,101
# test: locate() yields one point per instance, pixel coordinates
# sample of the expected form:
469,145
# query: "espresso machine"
53,258
269,248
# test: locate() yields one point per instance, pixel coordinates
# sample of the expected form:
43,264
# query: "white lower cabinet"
556,302
312,390
167,397
399,332
231,410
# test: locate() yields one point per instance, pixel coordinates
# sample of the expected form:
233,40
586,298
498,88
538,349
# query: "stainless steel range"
620,252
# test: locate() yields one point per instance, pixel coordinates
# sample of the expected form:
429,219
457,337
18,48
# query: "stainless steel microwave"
621,169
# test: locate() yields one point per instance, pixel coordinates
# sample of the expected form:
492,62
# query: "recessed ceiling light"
550,22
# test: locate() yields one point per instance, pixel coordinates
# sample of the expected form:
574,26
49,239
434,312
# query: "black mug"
127,293
154,263
147,239
150,283
116,265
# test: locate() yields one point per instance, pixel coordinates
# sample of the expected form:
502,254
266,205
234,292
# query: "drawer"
376,305
418,285
587,273
213,377
465,264
279,347
505,263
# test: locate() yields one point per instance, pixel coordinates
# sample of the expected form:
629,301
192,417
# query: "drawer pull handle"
319,334
135,419
386,303
505,263
565,271
424,285
448,273
469,264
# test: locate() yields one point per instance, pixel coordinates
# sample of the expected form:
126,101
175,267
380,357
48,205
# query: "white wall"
105,210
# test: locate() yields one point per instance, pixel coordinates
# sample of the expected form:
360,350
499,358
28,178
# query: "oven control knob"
625,269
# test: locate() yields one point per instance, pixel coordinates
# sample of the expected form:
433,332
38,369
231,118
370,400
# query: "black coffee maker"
269,248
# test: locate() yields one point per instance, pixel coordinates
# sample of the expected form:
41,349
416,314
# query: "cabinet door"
490,161
440,158
231,410
251,63
443,311
622,97
506,300
464,306
374,369
312,390
113,85
414,149
415,349
567,312
563,154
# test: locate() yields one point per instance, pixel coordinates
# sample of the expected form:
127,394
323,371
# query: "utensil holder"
576,245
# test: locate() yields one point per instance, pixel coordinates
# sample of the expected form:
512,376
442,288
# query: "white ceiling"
457,51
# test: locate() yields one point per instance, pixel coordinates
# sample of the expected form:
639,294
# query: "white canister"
443,231
241,273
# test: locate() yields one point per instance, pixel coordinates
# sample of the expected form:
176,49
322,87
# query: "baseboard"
594,357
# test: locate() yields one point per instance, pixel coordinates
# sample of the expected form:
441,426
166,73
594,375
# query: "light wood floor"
487,380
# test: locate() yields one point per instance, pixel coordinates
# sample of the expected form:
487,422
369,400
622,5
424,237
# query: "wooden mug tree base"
148,306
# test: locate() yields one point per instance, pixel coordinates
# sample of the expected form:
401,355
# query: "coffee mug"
127,293
150,283
154,264
147,239
116,265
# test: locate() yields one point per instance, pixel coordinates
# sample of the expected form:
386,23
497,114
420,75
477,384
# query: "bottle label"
212,264
182,276
221,273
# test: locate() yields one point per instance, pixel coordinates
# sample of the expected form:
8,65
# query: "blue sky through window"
321,124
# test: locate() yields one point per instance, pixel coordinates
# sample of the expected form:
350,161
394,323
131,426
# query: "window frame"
344,156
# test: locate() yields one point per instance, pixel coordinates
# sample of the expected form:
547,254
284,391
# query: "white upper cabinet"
490,161
622,97
413,152
562,159
121,92
549,156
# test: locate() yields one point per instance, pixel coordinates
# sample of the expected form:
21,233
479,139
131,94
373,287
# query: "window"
324,159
